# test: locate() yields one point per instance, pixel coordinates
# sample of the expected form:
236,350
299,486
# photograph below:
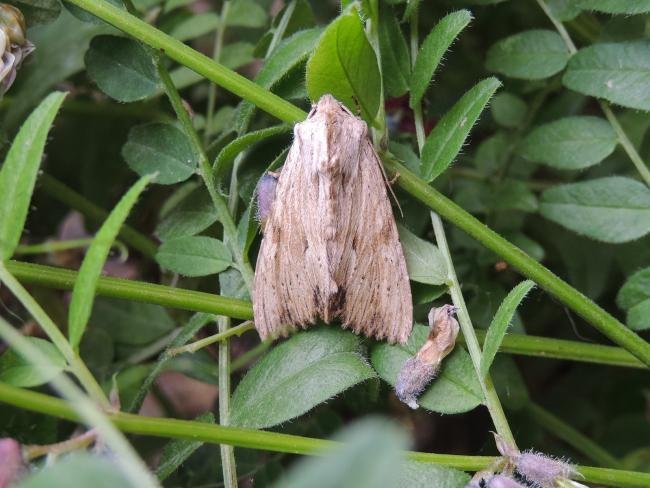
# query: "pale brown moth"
330,247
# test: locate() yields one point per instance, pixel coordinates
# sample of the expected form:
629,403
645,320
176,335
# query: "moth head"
328,106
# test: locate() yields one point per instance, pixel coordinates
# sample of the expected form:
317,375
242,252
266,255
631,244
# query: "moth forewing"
330,248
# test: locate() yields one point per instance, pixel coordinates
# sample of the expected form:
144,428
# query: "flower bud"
12,464
487,479
418,371
542,469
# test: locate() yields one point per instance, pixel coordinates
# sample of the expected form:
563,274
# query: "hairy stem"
221,336
216,55
623,139
274,441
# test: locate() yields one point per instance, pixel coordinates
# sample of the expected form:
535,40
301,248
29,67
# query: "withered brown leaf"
330,248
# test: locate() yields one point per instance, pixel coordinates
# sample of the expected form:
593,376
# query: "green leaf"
492,153
130,323
433,49
237,54
613,209
369,457
176,452
196,26
86,16
510,195
529,55
38,11
246,13
416,474
161,148
228,154
122,68
500,323
344,65
424,261
298,374
618,72
192,215
78,469
194,255
509,110
616,6
456,389
285,58
85,285
570,143
446,139
20,169
17,371
395,59
634,297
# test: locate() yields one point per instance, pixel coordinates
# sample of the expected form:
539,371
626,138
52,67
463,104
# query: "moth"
330,248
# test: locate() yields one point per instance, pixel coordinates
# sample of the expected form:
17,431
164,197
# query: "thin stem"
84,409
77,366
194,60
249,355
274,441
571,436
229,227
221,336
216,55
78,202
278,34
491,398
227,451
623,139
52,246
63,279
489,393
529,267
81,441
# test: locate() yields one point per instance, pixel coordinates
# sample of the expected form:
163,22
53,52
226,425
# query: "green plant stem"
571,436
226,219
278,34
81,441
517,258
249,355
77,366
52,246
221,336
138,291
63,279
216,55
194,60
492,401
623,139
227,450
85,410
78,202
273,441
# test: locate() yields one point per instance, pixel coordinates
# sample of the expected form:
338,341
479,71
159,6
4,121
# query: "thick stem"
273,441
517,258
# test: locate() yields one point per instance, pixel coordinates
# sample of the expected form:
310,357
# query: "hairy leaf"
122,68
295,376
194,255
424,261
570,143
19,171
344,65
446,139
160,148
83,293
395,59
196,26
618,72
500,323
433,49
634,297
530,55
616,6
246,13
613,209
17,371
456,389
